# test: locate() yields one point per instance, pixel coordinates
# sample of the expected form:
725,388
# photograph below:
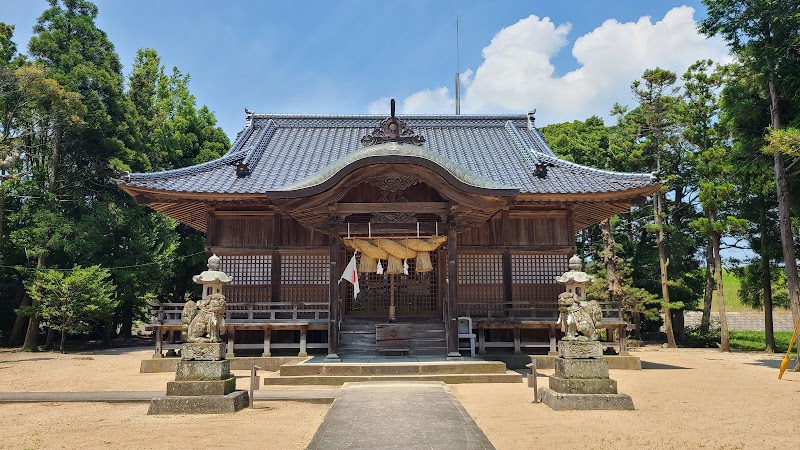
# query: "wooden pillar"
231,338
333,300
452,292
267,342
303,341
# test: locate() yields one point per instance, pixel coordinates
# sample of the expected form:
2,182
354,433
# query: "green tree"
71,302
714,169
745,115
765,35
655,118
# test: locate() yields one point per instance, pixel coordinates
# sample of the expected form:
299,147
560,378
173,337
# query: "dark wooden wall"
259,231
519,229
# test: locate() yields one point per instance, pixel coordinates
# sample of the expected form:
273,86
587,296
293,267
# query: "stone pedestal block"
581,368
202,370
579,349
196,388
198,351
562,402
587,386
204,404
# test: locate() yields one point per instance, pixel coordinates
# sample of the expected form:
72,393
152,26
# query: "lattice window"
305,269
534,289
304,279
480,269
247,270
537,269
414,294
480,285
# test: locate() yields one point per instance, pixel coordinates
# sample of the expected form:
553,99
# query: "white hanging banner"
379,271
350,274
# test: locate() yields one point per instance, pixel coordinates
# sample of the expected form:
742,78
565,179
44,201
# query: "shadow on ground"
774,363
652,365
25,360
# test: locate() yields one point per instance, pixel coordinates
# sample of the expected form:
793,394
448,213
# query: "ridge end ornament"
392,129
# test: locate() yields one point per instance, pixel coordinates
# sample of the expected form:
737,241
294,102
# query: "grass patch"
754,341
730,287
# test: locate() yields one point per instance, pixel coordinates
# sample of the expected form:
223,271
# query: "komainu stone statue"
578,317
201,322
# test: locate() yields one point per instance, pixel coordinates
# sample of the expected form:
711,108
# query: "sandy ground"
686,398
273,425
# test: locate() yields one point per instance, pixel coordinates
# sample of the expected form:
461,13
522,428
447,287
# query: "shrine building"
471,219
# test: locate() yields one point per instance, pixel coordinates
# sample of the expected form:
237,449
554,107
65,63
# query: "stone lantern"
576,280
212,279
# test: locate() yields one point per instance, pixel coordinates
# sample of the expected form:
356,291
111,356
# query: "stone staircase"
357,338
361,361
405,369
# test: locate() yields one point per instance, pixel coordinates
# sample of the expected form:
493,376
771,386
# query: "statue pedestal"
579,349
203,384
581,380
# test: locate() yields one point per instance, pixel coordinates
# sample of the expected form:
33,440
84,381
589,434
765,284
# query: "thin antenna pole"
458,72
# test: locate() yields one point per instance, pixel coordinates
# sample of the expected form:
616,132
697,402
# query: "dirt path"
686,398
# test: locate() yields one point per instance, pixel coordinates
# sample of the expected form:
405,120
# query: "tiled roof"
286,152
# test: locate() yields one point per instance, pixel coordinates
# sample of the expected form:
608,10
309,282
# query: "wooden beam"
412,207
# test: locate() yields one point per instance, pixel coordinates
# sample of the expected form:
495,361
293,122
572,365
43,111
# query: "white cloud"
379,106
517,73
429,101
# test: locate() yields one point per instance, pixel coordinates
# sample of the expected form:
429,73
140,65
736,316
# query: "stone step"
399,368
337,380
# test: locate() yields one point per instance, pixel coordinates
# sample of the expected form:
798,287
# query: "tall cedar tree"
765,34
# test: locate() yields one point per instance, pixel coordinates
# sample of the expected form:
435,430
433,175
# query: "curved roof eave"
393,152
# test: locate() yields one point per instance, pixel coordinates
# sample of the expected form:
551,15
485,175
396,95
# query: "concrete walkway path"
397,415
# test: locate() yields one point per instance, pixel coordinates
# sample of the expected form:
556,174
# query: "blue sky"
569,59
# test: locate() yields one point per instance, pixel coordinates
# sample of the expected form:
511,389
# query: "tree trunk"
663,264
63,340
48,343
766,281
708,293
724,335
108,330
610,259
126,318
2,215
21,322
31,343
784,209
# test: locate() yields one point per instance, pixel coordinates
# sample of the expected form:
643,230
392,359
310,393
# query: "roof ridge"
541,142
189,170
566,163
516,136
383,116
241,138
256,151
